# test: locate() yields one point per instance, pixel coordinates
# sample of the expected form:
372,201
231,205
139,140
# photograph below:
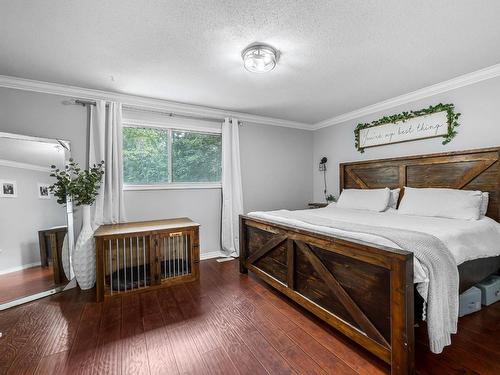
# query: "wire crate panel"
175,255
127,263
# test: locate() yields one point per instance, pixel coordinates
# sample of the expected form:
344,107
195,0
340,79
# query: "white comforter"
465,239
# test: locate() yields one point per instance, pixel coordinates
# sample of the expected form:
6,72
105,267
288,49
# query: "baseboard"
211,255
19,268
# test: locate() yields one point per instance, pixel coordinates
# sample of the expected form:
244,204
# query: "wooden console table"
139,256
50,242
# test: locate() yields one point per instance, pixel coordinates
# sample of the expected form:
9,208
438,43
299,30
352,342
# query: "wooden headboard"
469,170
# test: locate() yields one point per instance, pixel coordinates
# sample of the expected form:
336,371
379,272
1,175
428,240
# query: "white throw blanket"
441,292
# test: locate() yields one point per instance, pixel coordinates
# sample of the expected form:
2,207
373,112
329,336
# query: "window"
169,157
145,156
196,157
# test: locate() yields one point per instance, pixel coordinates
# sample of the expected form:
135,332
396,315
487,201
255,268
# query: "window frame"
171,127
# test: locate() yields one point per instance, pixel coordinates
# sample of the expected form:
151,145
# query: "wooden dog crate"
139,256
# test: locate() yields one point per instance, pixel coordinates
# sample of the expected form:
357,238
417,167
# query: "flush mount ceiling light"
259,58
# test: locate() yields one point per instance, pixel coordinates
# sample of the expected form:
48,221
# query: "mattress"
467,240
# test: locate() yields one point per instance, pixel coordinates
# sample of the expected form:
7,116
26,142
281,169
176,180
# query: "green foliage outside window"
195,157
145,156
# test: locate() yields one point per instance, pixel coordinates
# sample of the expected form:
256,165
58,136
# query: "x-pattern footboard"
364,292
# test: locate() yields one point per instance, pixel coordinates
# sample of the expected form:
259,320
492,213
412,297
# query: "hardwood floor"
226,323
23,283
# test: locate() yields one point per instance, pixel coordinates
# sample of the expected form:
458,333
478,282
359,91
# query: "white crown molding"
438,88
15,164
194,110
142,102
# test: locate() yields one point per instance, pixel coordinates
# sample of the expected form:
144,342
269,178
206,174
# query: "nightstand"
317,205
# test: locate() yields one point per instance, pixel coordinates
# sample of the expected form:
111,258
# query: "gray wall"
276,164
480,127
275,167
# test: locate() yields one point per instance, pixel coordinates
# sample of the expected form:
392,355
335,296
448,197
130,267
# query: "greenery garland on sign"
449,108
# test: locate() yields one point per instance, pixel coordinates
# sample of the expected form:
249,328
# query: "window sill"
190,186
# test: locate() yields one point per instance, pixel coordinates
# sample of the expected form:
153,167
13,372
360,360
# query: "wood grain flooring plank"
30,355
269,357
18,336
172,315
159,347
277,317
149,303
218,363
327,360
301,362
204,335
265,353
108,357
273,334
238,352
24,350
9,319
188,360
65,331
111,312
82,354
133,343
427,363
482,352
475,361
53,364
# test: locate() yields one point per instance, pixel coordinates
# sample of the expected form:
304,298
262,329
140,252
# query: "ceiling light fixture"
259,58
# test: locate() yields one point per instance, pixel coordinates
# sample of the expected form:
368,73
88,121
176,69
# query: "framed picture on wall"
8,189
43,191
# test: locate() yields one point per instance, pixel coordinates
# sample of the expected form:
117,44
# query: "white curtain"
105,143
232,192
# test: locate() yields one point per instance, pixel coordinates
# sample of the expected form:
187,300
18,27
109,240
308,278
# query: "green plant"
331,198
82,185
452,120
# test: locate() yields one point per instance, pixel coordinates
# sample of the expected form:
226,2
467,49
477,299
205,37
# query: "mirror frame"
69,221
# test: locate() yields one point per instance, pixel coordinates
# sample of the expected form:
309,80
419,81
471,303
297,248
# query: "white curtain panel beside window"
106,144
232,192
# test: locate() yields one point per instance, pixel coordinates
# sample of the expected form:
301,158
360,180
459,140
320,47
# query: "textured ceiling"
336,56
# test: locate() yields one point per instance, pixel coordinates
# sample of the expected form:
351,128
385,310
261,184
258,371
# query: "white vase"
65,256
84,253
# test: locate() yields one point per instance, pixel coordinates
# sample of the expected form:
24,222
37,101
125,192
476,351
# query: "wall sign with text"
435,121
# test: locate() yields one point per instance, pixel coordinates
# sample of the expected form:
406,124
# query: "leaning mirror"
36,233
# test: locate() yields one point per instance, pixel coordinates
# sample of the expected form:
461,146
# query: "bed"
361,287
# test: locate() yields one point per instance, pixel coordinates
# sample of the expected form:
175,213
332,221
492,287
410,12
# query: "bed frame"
362,290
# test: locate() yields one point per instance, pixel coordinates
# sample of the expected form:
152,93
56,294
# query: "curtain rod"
167,114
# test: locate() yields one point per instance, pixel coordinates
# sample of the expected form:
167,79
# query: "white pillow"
364,199
484,204
449,203
393,200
